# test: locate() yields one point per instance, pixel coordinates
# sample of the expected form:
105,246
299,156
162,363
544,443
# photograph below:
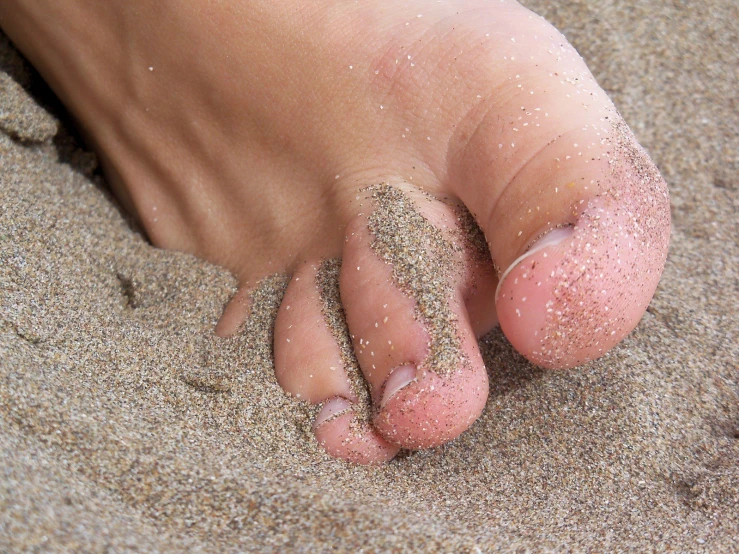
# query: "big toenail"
552,238
399,378
332,408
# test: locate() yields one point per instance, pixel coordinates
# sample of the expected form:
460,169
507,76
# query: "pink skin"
432,409
304,342
362,446
571,302
243,132
539,293
415,407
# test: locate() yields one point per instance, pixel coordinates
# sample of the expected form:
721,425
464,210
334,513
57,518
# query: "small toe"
404,283
432,408
314,362
346,435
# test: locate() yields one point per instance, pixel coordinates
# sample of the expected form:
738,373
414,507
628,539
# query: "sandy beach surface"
127,426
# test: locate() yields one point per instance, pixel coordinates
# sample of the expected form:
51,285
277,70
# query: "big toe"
581,288
576,214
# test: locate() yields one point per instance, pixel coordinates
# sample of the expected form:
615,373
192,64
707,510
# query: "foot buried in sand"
267,156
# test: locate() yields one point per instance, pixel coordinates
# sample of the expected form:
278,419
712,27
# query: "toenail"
399,378
331,409
552,238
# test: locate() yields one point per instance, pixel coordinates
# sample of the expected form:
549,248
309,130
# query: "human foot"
248,134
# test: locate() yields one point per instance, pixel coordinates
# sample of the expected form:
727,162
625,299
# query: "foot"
283,137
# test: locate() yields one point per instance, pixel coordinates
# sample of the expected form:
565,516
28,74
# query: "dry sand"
126,426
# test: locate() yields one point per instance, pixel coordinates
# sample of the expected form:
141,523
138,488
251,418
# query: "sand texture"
125,425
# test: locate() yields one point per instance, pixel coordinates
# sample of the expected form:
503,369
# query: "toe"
555,157
314,362
580,289
234,314
404,283
346,435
